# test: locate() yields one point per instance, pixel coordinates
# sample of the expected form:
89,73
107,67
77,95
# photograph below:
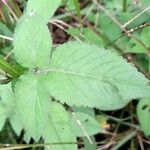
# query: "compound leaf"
85,75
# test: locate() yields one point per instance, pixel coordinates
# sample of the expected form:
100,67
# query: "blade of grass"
77,5
15,7
125,139
124,5
9,69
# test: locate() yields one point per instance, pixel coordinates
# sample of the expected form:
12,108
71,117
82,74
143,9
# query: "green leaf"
107,25
87,36
86,110
6,103
31,105
86,116
45,9
143,112
88,145
91,37
71,5
138,47
2,116
58,129
145,36
32,42
85,75
89,124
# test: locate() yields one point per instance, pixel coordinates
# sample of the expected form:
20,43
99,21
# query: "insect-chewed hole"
144,107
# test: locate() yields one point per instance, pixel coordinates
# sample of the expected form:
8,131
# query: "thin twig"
110,16
140,142
82,127
9,8
57,23
24,146
131,20
130,31
147,142
6,57
6,37
106,146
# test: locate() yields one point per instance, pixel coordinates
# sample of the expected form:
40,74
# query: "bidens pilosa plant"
61,85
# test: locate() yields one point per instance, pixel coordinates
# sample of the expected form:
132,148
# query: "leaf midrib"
72,73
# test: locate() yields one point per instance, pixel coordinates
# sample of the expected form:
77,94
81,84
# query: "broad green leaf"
7,98
16,123
45,9
71,5
86,116
85,75
86,110
89,125
87,35
91,37
6,103
58,129
143,112
31,106
32,42
145,36
138,47
88,145
2,116
111,29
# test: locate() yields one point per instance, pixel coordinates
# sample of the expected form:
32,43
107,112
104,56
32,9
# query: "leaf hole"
144,107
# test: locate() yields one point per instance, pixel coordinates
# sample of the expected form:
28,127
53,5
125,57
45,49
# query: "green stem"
125,139
77,5
9,69
124,8
68,14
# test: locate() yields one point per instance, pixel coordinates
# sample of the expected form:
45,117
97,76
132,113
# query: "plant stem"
124,4
9,69
68,14
125,139
76,2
